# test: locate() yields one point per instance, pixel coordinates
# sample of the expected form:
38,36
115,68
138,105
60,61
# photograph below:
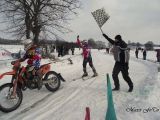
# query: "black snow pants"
119,67
88,60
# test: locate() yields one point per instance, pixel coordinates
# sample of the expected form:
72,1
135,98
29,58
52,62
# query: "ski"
84,78
87,77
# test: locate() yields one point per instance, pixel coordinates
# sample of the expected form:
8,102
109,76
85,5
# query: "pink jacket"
86,49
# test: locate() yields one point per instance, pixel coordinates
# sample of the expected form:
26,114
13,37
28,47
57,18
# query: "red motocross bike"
50,79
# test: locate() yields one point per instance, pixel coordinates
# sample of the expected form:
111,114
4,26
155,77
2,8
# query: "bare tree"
30,18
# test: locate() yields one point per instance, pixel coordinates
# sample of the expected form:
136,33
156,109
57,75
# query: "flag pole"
101,29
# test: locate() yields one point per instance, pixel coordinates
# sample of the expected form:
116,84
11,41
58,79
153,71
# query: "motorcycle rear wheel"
53,86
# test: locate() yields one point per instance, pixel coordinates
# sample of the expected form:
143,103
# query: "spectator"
158,55
107,50
144,54
72,49
136,52
60,50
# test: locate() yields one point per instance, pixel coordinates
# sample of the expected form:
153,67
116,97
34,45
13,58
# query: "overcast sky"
134,20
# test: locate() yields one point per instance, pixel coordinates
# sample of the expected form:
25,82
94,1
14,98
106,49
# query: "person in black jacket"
121,56
144,54
136,52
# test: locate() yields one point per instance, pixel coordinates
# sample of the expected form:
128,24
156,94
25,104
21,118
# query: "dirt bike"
50,79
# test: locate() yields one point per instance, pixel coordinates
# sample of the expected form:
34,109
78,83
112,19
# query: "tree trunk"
36,34
28,25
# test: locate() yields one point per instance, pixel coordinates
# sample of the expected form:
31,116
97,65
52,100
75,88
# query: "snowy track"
136,104
69,102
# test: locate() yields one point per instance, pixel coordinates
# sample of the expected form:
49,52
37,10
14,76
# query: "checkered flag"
100,16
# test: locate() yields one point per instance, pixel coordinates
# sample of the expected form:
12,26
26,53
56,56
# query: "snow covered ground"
70,101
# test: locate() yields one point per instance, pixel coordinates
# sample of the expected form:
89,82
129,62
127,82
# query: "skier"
87,57
121,56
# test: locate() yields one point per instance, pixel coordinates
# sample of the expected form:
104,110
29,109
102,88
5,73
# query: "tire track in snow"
31,107
146,86
68,99
56,102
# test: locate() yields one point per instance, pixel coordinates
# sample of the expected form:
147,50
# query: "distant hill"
9,42
18,42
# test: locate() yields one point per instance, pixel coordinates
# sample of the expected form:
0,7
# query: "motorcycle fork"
15,79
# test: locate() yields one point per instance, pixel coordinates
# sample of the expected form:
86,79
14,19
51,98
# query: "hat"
85,43
118,37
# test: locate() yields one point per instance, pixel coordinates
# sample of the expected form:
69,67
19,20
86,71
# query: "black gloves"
105,35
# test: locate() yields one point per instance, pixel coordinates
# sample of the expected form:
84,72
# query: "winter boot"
95,74
94,71
130,89
39,82
115,89
13,97
85,72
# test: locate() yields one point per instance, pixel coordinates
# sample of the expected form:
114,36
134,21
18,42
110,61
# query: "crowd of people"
144,52
139,50
64,50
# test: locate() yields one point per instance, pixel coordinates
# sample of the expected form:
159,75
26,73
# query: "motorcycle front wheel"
8,104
